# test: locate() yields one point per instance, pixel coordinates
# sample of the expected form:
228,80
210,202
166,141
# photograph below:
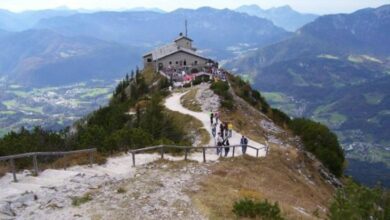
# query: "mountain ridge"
333,62
283,16
43,57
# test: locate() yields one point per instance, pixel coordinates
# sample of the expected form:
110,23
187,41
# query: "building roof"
183,37
170,49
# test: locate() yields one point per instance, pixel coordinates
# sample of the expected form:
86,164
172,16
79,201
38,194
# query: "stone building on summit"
177,55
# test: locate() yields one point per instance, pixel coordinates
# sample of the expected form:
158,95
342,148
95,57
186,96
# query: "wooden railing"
186,149
160,148
34,155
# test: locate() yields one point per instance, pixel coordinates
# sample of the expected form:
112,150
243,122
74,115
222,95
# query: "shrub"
257,209
227,104
280,118
79,200
322,142
121,190
197,81
221,88
354,201
245,91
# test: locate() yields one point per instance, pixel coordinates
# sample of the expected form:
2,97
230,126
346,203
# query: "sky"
310,6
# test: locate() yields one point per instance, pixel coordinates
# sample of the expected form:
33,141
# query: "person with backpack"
219,144
244,144
211,117
227,148
222,129
230,129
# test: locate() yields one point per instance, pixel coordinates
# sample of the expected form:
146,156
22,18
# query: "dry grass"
275,178
4,168
192,126
75,159
246,120
189,101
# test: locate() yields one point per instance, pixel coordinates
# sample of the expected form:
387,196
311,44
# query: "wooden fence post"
133,156
234,148
162,152
35,163
12,162
266,150
90,158
186,154
204,155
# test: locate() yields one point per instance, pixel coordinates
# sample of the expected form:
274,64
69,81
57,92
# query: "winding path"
173,103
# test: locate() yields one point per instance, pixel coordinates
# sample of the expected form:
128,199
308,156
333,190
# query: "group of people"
218,73
224,134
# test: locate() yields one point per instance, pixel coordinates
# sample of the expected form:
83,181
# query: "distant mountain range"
66,46
284,16
220,31
43,57
25,20
337,71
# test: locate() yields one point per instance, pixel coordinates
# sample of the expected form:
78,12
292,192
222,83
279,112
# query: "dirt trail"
173,103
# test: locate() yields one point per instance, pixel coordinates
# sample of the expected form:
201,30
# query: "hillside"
340,35
42,57
21,21
174,189
283,16
208,26
334,70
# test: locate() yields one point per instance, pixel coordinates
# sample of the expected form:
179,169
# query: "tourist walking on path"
244,143
227,148
214,129
222,129
211,117
230,129
216,115
219,144
225,125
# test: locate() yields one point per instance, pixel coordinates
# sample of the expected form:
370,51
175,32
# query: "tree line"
134,118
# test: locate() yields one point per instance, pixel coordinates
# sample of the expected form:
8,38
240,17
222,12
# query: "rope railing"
34,155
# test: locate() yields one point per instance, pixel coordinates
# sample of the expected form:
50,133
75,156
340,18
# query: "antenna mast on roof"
186,25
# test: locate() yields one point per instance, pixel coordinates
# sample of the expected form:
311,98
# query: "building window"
177,62
196,62
170,62
149,60
185,63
